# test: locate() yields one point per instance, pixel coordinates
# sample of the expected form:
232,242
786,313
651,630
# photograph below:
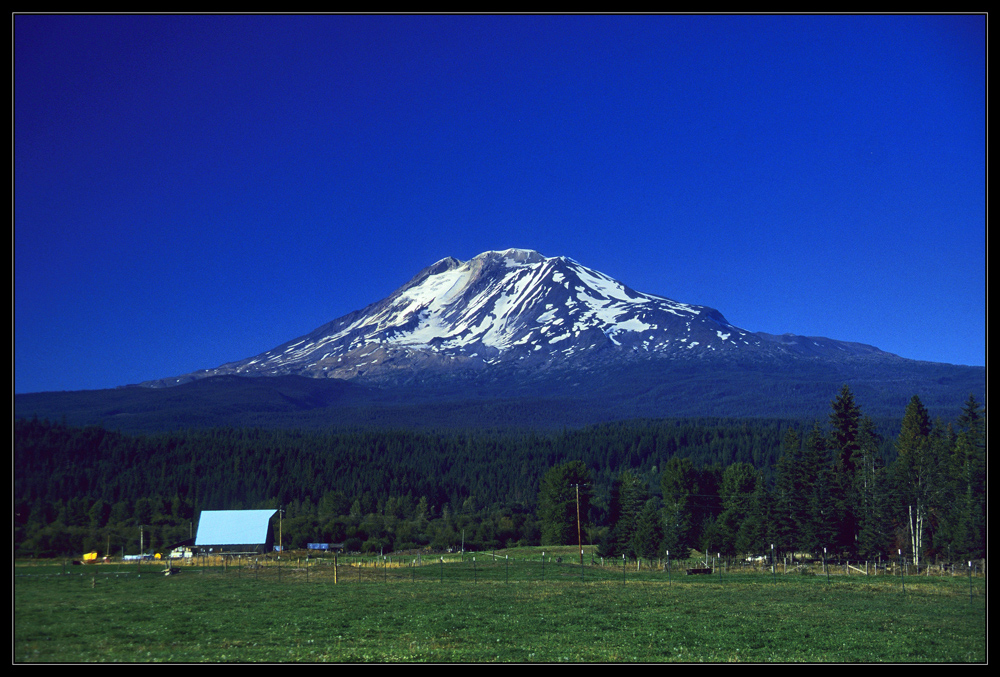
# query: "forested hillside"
726,485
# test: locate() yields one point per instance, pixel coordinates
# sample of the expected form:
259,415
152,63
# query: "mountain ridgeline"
516,308
517,339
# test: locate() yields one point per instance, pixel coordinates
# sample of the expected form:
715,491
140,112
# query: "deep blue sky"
195,190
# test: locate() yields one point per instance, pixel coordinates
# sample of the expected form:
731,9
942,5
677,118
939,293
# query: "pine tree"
967,498
970,473
678,483
845,445
557,502
845,427
628,496
707,506
960,529
973,421
648,539
970,460
819,527
791,491
917,475
870,488
742,524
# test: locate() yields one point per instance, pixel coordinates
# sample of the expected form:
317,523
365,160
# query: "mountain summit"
517,308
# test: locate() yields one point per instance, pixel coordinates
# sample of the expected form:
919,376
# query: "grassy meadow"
485,609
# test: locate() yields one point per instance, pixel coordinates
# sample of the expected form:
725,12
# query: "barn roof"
227,527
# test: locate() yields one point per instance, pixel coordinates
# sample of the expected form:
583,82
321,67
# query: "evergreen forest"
857,487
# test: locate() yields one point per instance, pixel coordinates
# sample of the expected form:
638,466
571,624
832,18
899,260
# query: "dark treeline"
644,486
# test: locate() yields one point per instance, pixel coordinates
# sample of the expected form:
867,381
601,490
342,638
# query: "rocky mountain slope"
517,339
516,308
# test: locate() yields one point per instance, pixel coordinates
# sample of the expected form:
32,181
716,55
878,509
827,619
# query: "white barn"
235,531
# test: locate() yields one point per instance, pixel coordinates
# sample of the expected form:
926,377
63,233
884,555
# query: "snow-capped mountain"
514,307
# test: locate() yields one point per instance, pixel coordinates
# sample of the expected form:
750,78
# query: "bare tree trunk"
916,533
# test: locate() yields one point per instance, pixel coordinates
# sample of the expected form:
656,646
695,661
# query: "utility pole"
579,539
280,513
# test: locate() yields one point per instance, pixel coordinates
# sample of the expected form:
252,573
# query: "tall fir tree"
678,485
845,429
966,512
789,491
628,497
845,446
917,476
870,490
968,472
561,486
973,421
742,526
820,526
708,507
648,539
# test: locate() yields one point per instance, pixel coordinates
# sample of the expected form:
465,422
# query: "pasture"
485,609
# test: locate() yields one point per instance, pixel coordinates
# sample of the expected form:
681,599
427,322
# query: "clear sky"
192,190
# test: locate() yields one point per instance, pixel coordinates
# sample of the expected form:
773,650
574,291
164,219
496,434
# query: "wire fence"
494,568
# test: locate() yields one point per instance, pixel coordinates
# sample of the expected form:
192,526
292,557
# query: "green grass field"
486,610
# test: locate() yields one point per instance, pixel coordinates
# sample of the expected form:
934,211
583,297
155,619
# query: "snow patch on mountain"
514,306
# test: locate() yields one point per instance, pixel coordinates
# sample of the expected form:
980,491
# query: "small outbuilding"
235,531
